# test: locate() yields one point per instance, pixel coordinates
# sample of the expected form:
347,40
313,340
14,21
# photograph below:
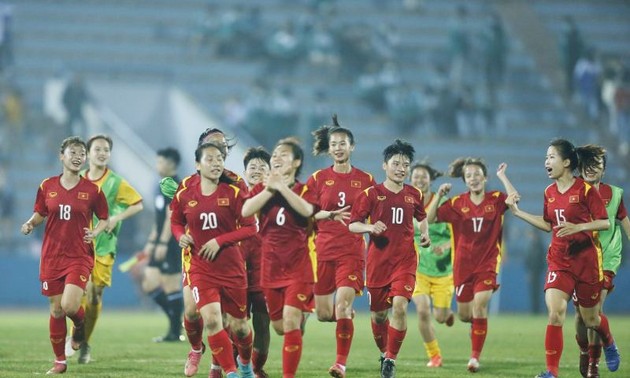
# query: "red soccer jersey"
285,255
215,216
195,179
477,233
69,211
335,191
581,203
605,191
251,249
393,252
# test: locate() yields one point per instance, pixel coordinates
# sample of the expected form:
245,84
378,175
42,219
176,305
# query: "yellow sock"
432,348
91,315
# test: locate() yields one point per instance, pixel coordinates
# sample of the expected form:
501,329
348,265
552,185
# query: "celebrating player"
70,204
476,218
386,211
284,206
256,162
162,276
573,211
434,277
207,219
592,167
340,254
124,202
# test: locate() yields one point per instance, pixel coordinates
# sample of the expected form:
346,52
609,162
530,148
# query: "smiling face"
282,159
474,178
73,158
255,171
339,147
100,153
593,175
555,164
211,163
397,168
421,179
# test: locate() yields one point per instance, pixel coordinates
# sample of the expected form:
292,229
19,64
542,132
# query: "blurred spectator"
204,29
612,79
372,86
355,51
535,264
234,112
316,115
6,36
413,5
284,49
495,49
460,47
571,49
385,41
227,31
403,108
586,79
622,103
75,96
7,210
13,115
250,37
322,48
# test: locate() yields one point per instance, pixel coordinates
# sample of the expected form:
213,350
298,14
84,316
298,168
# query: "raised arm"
509,188
254,204
299,204
535,220
433,206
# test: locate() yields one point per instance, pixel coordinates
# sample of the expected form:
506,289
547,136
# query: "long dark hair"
322,136
456,168
199,153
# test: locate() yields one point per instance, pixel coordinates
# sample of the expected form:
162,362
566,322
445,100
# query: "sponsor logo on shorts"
389,300
216,351
192,203
302,297
381,198
408,199
487,282
83,196
355,184
408,288
242,308
330,182
223,201
551,199
489,208
465,210
594,296
291,348
83,278
52,194
574,199
352,277
346,336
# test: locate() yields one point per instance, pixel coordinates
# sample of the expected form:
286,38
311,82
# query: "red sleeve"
445,212
310,196
361,208
621,211
545,215
595,205
101,209
40,202
255,190
500,205
247,229
178,221
420,213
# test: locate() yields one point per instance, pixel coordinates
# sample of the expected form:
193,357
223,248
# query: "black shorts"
172,263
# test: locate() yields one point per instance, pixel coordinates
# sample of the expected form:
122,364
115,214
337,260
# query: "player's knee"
213,325
324,314
464,317
278,328
424,315
57,312
379,317
591,320
240,327
556,318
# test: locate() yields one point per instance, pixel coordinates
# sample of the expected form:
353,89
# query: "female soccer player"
386,211
207,219
256,162
573,211
592,167
476,218
68,202
434,277
340,253
284,206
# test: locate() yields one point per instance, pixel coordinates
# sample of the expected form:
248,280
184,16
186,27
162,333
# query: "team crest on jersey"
83,196
355,184
302,297
489,208
409,199
551,199
408,288
574,199
83,278
487,282
192,203
330,182
381,198
242,308
223,201
594,296
465,210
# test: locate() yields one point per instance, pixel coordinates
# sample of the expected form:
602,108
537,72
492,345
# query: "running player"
124,202
592,167
69,204
386,211
573,211
207,220
340,253
476,219
256,162
434,277
162,276
284,206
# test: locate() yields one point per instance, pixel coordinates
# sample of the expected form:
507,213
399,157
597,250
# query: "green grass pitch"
122,347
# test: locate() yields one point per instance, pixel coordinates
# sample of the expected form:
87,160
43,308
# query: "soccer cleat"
337,371
84,354
69,351
583,363
389,368
58,368
450,320
261,374
593,370
232,375
381,359
78,337
612,356
435,362
247,370
215,372
192,362
473,365
169,338
545,374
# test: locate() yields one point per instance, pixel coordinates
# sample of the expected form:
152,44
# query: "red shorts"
585,294
335,274
465,291
233,300
298,295
78,277
253,276
609,277
380,298
256,302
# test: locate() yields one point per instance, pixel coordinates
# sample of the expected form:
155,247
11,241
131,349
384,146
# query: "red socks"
194,331
380,334
291,353
244,347
553,348
604,330
594,353
394,342
344,332
478,336
58,331
258,360
221,348
582,343
78,317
